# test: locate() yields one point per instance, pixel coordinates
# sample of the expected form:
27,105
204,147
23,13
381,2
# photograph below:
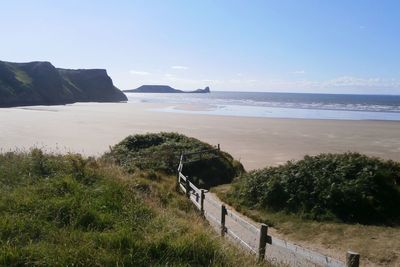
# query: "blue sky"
284,46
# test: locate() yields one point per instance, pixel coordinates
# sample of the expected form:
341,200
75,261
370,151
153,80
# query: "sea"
277,105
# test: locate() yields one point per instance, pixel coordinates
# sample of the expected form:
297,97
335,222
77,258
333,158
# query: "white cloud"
341,84
357,82
138,72
179,67
299,72
169,75
182,82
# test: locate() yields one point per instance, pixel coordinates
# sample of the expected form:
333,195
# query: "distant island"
40,83
164,89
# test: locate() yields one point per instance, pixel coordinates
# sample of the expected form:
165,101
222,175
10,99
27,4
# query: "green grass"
72,211
22,77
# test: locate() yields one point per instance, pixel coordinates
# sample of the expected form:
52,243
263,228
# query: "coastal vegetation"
67,210
160,152
347,187
330,202
122,209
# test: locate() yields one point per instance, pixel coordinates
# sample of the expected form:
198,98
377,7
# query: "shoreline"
193,111
189,107
279,112
90,128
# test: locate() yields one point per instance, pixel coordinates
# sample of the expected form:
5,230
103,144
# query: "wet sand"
90,128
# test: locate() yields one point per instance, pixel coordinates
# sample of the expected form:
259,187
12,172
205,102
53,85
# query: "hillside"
68,210
40,83
122,209
164,89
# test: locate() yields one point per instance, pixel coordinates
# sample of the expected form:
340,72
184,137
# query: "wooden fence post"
202,201
180,167
178,181
262,244
187,187
352,259
223,213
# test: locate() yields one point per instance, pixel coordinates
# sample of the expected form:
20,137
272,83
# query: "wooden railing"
253,237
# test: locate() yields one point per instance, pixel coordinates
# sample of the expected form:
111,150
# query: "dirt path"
247,230
239,225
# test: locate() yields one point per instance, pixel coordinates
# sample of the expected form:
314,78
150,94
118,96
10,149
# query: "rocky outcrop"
153,89
40,83
163,89
202,91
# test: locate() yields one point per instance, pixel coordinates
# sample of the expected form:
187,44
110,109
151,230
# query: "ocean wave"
250,100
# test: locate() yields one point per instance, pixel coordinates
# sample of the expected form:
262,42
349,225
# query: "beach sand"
90,128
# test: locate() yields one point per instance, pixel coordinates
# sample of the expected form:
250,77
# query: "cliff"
40,83
164,89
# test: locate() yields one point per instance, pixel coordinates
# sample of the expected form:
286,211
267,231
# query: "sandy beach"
90,128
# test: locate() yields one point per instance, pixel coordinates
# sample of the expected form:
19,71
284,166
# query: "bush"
161,153
348,187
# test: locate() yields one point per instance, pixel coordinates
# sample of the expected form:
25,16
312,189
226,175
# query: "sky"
308,46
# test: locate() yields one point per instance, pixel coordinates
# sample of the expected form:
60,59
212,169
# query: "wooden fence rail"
254,238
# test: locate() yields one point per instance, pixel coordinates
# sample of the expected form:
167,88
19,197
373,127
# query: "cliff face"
91,85
40,83
163,89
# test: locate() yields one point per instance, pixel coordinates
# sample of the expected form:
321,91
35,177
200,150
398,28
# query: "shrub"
349,187
161,152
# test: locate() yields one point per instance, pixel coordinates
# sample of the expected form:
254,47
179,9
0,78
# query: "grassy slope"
23,77
161,152
377,245
67,210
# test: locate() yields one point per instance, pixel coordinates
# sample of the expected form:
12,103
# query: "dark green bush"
348,187
161,152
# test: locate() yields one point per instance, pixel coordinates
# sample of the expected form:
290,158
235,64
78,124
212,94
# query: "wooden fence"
253,238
